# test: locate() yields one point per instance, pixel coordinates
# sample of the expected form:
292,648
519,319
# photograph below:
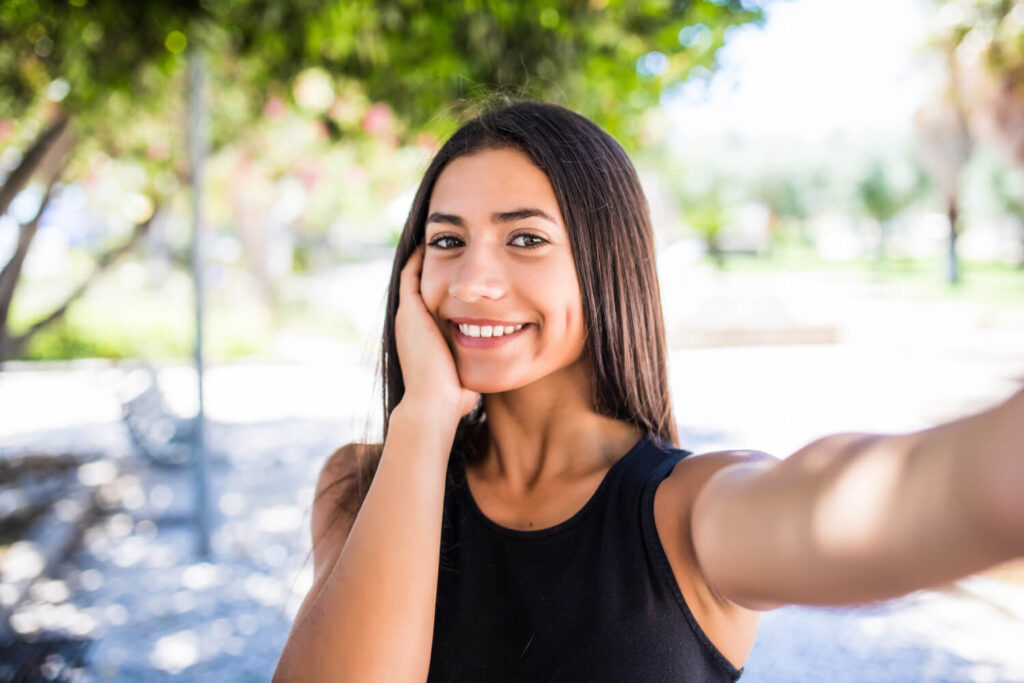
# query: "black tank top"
590,599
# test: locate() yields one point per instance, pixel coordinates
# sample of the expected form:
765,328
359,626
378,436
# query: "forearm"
857,518
989,472
373,619
947,503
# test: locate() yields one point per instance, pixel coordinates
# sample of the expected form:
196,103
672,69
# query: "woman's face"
498,257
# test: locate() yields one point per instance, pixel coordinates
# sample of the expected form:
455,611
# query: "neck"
549,432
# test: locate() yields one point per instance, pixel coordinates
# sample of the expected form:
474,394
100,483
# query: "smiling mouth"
477,336
488,330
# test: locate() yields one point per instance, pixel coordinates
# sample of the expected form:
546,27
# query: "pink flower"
428,143
275,108
378,120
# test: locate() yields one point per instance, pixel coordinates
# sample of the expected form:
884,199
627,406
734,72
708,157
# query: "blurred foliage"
791,197
991,284
708,214
322,111
1008,190
786,196
885,190
79,53
985,42
119,320
610,59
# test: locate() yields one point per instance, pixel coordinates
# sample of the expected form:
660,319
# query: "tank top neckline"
467,496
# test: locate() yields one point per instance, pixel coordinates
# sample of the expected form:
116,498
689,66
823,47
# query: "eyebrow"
501,217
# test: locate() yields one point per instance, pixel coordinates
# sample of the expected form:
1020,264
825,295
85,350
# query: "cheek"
575,329
555,294
559,287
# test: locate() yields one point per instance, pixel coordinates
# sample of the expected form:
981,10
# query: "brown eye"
443,242
529,240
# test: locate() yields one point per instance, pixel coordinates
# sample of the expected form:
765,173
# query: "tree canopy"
85,83
610,59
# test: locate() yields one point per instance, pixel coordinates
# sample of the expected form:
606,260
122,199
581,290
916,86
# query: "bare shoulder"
713,461
690,476
730,627
691,473
338,464
332,520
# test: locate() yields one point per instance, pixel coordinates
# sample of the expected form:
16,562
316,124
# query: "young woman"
530,515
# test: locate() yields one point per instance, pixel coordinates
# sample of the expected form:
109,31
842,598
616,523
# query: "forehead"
493,180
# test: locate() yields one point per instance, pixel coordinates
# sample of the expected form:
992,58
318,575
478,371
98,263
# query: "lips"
481,322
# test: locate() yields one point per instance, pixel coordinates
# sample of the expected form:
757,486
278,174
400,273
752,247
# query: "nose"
480,275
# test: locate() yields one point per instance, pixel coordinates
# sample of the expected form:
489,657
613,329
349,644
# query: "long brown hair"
609,228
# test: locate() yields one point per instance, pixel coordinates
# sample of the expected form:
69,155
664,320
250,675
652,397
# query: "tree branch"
20,176
12,270
11,346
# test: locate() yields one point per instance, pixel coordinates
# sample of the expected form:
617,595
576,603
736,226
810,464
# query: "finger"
410,277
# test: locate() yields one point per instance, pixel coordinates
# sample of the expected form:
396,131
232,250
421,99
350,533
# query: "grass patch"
116,321
980,282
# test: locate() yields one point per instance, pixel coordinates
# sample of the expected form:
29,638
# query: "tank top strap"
659,559
651,462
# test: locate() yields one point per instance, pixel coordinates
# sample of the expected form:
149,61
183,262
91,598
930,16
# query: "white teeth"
488,330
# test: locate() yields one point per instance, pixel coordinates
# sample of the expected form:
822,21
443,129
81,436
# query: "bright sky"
814,67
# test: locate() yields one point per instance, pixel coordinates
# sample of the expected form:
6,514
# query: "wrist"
426,418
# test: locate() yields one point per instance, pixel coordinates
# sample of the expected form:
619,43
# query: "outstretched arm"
855,518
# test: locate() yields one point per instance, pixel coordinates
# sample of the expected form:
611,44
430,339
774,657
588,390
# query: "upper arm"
709,526
330,521
730,626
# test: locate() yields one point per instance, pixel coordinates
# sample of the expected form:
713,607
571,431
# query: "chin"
490,383
489,386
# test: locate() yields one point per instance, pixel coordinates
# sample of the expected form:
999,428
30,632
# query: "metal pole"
197,133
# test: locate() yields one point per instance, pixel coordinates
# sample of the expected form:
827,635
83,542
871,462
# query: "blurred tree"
609,59
1008,188
985,43
946,146
988,36
75,78
706,198
706,202
709,216
884,193
945,138
109,75
789,198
